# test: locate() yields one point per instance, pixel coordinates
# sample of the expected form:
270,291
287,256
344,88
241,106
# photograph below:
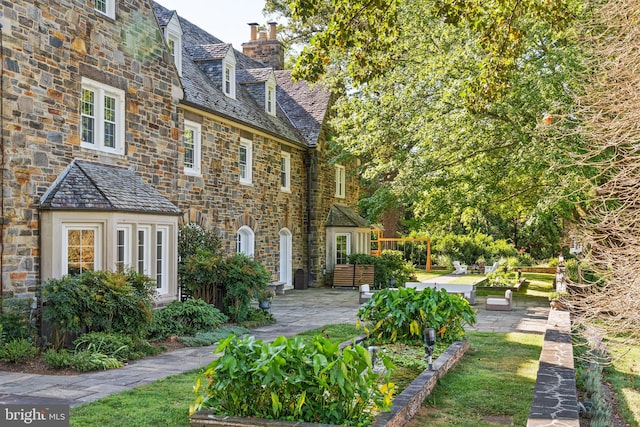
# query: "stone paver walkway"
296,311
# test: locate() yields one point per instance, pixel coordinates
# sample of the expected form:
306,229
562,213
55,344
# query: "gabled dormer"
218,61
261,84
173,36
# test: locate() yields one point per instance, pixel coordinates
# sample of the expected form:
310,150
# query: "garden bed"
514,288
405,405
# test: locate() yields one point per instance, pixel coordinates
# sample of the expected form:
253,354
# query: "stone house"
120,121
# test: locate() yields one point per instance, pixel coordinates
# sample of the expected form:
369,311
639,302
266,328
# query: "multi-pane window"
192,147
343,248
161,259
102,117
271,100
143,249
285,171
80,249
123,248
340,182
245,161
245,241
106,7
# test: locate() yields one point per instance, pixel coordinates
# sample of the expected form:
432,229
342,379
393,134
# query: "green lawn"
492,385
624,377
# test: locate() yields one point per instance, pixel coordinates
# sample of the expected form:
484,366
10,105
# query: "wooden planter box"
514,288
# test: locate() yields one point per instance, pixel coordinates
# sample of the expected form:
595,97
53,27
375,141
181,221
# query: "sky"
224,19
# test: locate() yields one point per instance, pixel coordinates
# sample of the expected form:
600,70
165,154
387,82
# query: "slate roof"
208,52
254,75
293,121
94,186
344,216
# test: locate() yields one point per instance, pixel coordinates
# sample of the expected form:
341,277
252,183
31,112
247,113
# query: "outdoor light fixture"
429,342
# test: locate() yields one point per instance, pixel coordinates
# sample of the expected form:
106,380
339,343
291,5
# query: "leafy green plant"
502,278
403,315
193,241
201,274
91,359
470,247
288,380
15,318
185,318
209,338
389,265
18,350
244,279
121,346
97,301
58,359
257,317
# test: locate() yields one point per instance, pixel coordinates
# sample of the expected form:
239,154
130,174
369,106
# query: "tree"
609,222
445,107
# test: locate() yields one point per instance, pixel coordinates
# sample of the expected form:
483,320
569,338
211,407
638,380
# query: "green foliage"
15,318
91,359
390,264
288,380
257,317
244,279
403,314
18,350
97,301
194,241
202,339
502,278
58,359
121,346
200,275
185,318
469,248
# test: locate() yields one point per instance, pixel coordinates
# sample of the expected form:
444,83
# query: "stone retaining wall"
555,401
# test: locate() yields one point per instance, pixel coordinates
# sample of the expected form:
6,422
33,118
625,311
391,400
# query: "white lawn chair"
459,269
491,268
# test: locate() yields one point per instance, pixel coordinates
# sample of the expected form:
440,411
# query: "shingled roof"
93,186
299,116
344,216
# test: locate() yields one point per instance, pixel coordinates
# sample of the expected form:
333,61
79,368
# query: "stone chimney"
265,47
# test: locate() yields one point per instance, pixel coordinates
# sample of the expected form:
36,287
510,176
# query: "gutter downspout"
309,164
2,161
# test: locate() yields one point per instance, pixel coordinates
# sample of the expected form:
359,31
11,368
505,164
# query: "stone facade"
52,50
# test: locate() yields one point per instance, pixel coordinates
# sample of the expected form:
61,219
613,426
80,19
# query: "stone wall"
48,47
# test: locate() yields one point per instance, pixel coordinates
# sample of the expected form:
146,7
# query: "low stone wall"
404,407
555,400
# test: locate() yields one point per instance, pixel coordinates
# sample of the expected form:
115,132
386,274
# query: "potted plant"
264,298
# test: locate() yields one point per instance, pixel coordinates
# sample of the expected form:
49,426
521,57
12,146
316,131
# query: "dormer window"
229,74
106,7
270,96
173,36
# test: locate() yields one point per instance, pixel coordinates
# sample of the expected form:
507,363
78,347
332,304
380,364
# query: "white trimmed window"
340,182
245,161
102,112
343,248
162,259
229,80
106,7
271,99
192,141
245,241
81,246
173,35
285,171
143,250
123,248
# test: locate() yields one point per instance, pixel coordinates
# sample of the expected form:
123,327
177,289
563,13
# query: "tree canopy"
460,111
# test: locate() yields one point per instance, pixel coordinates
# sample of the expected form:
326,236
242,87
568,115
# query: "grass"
492,385
624,377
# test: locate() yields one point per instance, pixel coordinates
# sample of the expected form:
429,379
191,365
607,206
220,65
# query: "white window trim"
270,99
110,6
286,157
229,63
146,248
245,239
100,90
348,236
248,178
173,33
163,261
340,182
197,148
126,228
97,253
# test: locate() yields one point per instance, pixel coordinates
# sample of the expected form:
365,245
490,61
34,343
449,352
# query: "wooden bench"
352,275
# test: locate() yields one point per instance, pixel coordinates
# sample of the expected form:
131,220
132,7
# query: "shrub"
58,359
201,274
91,360
96,301
122,347
18,350
202,339
185,318
287,380
403,315
192,238
16,318
257,317
244,278
390,264
502,279
469,248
